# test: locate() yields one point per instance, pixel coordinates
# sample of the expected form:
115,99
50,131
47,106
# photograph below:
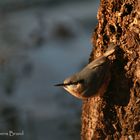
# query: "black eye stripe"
70,83
75,83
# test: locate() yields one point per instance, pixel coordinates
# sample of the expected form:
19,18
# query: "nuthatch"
92,80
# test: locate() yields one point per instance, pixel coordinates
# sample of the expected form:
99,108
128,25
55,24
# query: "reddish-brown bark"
116,115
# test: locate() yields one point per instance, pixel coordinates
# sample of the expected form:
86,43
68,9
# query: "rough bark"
116,115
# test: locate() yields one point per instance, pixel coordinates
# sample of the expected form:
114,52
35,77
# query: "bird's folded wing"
97,62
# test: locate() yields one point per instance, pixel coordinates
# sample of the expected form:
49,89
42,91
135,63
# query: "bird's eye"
78,82
74,83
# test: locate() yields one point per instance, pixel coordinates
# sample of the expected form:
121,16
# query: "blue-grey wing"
97,62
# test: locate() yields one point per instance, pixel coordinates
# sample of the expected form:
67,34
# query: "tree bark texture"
116,115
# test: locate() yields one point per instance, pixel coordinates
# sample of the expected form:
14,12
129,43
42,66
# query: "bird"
93,79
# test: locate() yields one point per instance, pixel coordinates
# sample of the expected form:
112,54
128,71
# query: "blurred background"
41,43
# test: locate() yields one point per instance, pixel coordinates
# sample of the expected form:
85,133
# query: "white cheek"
72,86
74,90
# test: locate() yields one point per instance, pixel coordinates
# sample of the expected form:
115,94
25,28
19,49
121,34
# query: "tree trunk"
116,115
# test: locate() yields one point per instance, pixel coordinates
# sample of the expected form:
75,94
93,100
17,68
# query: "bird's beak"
62,84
